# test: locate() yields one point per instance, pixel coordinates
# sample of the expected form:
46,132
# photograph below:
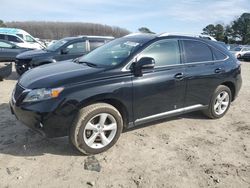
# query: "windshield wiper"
86,63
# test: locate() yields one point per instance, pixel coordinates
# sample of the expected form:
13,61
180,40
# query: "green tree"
241,28
2,24
209,30
216,31
145,30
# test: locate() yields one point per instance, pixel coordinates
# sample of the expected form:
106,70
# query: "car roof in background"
12,31
89,37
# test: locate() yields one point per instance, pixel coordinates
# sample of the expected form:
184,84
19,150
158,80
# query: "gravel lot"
187,151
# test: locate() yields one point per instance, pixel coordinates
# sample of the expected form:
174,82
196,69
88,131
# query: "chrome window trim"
169,112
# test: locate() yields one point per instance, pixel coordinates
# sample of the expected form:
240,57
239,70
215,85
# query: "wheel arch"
118,104
231,86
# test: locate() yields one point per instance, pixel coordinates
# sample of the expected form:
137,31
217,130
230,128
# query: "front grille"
22,61
18,91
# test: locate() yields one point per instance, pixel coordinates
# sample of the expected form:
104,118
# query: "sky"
180,16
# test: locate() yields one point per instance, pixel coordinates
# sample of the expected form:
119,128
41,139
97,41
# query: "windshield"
29,39
56,45
112,53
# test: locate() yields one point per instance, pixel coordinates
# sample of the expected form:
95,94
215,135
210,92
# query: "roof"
89,37
12,31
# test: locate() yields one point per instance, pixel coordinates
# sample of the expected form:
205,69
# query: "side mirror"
143,64
65,51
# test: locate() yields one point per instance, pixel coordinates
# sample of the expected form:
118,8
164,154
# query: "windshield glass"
29,39
112,53
56,45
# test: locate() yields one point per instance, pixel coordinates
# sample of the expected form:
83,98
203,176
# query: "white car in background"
239,51
20,37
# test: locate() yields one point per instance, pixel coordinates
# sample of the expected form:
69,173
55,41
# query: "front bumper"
49,118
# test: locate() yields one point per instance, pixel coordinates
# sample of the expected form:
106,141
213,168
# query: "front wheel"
96,129
220,102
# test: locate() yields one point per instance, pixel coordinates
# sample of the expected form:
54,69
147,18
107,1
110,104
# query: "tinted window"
13,38
196,51
164,52
78,47
218,55
93,44
2,36
5,45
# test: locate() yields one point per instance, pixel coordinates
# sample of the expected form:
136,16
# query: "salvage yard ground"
187,151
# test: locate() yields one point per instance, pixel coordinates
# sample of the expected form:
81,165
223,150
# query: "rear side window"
196,51
93,44
2,36
13,38
218,55
164,52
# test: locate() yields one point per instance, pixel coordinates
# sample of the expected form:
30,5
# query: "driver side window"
165,52
78,47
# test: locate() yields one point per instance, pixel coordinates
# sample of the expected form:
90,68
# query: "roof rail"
134,34
189,35
93,36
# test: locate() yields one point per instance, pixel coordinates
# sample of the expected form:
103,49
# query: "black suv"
64,49
125,83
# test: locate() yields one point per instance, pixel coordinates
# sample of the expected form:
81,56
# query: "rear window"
218,55
196,51
2,36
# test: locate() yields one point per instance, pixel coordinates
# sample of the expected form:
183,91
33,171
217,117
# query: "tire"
92,115
217,108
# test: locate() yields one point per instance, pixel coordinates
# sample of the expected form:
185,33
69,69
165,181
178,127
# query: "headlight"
42,94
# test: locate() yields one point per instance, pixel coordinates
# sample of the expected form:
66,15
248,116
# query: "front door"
161,91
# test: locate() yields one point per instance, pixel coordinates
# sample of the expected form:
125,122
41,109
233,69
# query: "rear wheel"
219,103
96,129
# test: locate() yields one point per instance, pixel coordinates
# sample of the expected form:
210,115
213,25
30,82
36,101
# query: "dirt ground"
187,151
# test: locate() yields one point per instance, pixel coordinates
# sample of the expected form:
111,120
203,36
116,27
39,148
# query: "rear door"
72,51
203,71
160,91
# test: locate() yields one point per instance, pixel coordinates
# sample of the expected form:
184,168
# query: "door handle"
218,70
179,76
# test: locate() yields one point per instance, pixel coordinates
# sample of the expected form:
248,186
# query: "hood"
57,74
34,53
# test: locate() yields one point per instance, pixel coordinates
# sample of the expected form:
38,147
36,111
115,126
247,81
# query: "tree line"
238,31
58,30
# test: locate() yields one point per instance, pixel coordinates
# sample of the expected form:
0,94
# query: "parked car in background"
21,38
246,56
9,51
239,51
64,49
127,82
